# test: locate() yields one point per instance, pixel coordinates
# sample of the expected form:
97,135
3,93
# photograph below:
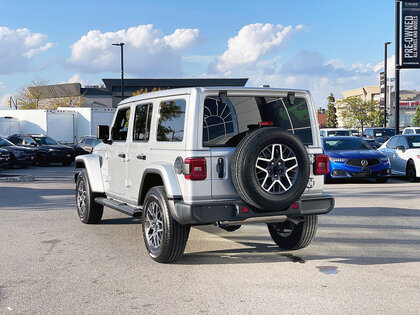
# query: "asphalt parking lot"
364,259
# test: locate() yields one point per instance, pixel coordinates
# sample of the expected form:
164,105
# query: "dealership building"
409,100
108,95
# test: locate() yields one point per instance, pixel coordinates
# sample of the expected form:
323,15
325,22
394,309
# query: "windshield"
4,142
44,141
333,133
413,142
345,144
384,132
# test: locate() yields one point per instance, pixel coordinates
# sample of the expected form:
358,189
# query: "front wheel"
88,210
411,171
290,236
165,239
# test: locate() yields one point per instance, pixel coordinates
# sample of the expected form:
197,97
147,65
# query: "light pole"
385,75
122,68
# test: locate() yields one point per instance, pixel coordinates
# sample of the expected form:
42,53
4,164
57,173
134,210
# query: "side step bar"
119,206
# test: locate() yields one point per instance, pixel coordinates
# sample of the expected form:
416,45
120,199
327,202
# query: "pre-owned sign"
410,34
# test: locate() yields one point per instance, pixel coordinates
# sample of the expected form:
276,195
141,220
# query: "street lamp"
122,68
385,74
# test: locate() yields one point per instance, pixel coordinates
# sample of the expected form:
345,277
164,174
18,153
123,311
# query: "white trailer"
57,124
87,119
9,126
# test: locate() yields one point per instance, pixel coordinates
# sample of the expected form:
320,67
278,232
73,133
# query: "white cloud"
146,51
18,47
252,42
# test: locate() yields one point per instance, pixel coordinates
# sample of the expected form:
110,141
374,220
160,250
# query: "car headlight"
53,150
384,159
340,160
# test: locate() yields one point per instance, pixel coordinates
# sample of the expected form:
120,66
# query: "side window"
82,142
27,140
16,140
409,131
218,124
120,128
392,144
171,121
142,120
402,141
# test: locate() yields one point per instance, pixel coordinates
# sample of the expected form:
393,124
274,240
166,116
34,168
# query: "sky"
323,46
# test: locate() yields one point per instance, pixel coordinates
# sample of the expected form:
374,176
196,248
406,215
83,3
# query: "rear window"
225,124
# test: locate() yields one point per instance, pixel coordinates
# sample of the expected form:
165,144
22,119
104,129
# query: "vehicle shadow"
361,236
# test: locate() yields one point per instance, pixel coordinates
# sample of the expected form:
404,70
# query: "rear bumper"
234,214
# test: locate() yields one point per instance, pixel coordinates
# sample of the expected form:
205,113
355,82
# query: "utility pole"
122,68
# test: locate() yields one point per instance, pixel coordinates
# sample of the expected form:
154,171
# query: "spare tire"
270,168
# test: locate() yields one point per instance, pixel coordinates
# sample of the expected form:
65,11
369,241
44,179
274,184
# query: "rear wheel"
43,160
67,163
88,210
290,236
411,171
165,238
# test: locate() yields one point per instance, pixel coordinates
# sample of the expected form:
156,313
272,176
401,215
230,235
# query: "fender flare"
92,164
169,178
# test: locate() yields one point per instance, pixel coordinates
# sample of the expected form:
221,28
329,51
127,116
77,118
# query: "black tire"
300,235
43,159
67,163
328,179
411,171
12,162
258,187
88,210
169,245
381,179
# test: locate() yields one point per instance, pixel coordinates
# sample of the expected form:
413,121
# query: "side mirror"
401,148
33,144
102,132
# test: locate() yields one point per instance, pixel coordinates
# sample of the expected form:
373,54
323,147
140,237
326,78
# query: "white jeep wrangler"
195,156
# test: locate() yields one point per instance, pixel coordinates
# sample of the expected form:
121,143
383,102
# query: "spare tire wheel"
270,168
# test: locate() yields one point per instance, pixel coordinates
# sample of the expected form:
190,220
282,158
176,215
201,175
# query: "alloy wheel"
81,199
154,225
276,168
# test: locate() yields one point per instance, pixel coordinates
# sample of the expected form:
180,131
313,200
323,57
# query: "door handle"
121,155
141,157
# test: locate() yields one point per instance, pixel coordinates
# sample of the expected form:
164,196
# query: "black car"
4,158
47,149
380,135
86,145
19,156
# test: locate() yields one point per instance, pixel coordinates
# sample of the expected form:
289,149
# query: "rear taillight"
321,165
195,168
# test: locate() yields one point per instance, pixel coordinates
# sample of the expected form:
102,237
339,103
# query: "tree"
355,111
37,96
331,113
378,117
416,118
30,96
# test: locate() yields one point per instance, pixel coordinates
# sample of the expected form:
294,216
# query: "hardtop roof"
184,91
